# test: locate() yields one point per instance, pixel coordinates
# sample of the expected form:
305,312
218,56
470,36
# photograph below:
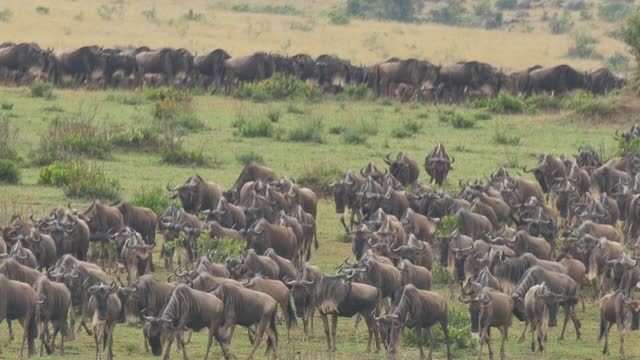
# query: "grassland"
211,25
475,150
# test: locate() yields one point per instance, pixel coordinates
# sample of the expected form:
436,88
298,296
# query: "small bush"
482,116
154,198
309,131
246,158
318,178
409,128
254,128
506,4
150,14
218,250
399,10
293,108
585,105
5,15
544,102
133,98
193,16
453,13
274,115
109,12
618,62
81,180
456,119
75,135
354,137
171,114
584,47
338,17
278,87
458,326
173,152
355,92
560,24
8,140
41,89
6,105
504,104
337,130
502,137
42,10
163,93
613,11
268,9
9,172
136,139
53,109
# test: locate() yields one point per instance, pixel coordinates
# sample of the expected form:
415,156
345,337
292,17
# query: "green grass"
309,163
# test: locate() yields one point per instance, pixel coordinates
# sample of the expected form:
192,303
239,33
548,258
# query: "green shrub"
310,130
624,147
136,139
502,137
293,108
560,24
173,152
452,13
41,89
193,16
268,9
75,135
583,47
5,15
585,105
630,34
8,140
338,17
255,128
248,157
506,4
618,62
6,105
9,172
53,109
456,119
81,180
176,115
400,10
482,116
274,115
458,326
154,198
544,102
318,177
218,250
163,93
337,130
408,128
42,10
132,98
355,92
278,87
504,104
613,10
354,137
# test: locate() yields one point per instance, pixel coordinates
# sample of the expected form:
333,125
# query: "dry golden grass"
72,23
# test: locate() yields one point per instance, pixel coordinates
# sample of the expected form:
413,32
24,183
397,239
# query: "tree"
631,34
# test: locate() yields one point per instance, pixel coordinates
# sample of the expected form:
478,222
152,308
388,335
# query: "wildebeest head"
619,269
190,193
344,191
156,328
101,295
438,164
403,168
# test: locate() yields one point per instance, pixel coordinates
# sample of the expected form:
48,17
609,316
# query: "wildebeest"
264,235
403,168
416,309
197,195
536,309
251,263
140,219
81,63
18,302
438,164
106,313
468,79
43,248
602,81
548,171
53,305
187,308
557,80
417,73
212,65
251,68
228,215
618,309
246,307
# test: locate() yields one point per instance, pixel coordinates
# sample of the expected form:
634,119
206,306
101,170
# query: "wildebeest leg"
419,340
355,326
223,346
576,322
482,340
327,333
95,338
53,343
110,342
25,326
167,353
445,330
259,335
534,334
274,341
10,330
605,351
566,320
368,320
334,327
524,332
72,325
184,347
488,340
505,335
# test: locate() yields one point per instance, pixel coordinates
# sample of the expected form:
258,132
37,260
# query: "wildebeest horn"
388,159
34,220
174,189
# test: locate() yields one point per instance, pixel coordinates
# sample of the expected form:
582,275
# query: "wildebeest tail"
315,241
603,329
291,315
273,327
32,334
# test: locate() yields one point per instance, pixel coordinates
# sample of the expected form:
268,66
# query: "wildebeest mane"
327,296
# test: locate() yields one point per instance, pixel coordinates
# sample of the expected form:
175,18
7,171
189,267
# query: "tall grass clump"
139,139
41,89
80,179
585,105
459,330
456,119
310,129
318,178
503,137
72,135
8,140
248,157
154,198
176,115
9,172
278,87
173,152
505,104
408,128
358,131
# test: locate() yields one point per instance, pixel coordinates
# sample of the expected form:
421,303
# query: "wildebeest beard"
635,320
459,263
474,309
331,291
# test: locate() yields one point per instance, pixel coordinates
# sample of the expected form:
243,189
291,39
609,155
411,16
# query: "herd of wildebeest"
408,79
514,247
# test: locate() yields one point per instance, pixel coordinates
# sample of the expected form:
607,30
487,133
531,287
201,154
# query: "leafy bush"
318,178
355,92
453,13
136,138
409,128
42,10
9,172
400,10
6,105
193,16
456,119
250,156
337,130
80,179
544,102
560,24
583,47
218,250
278,87
293,108
5,15
458,326
631,34
613,11
41,89
617,62
502,137
584,104
254,127
173,152
338,17
482,116
504,104
163,93
8,140
77,134
354,137
506,4
154,198
176,115
309,131
274,115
